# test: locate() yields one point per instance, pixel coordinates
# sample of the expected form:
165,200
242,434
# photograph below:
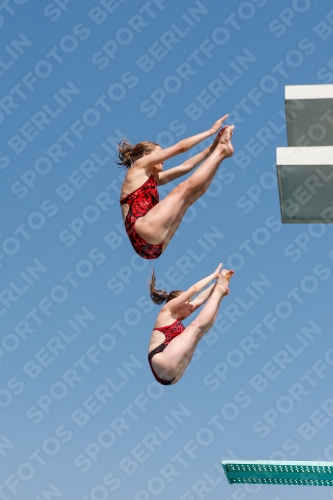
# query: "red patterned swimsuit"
140,202
171,331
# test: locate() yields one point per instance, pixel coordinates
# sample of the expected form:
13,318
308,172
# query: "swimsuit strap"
131,195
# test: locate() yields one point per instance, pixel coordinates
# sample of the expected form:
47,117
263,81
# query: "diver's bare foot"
224,141
223,281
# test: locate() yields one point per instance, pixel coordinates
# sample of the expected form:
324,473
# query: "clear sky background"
81,414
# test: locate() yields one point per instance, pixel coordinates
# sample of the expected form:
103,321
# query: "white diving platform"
305,179
309,115
305,167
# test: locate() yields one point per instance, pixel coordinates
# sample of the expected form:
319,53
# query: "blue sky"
75,312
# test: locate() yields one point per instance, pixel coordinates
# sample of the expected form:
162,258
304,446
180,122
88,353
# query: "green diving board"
279,472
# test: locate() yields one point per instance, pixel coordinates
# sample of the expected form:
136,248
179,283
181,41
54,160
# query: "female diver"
171,344
150,224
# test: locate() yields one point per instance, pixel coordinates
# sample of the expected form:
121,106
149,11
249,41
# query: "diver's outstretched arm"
175,303
182,146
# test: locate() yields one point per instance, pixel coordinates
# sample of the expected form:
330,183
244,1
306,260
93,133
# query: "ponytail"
158,296
129,154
